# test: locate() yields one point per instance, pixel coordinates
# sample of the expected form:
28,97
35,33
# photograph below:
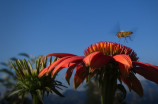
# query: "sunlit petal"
96,60
124,59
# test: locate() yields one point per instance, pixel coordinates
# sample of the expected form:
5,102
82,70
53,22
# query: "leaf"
19,69
120,80
48,89
23,85
15,92
6,71
59,88
16,70
29,64
23,96
13,59
24,54
57,92
121,88
39,93
38,65
27,67
2,63
47,93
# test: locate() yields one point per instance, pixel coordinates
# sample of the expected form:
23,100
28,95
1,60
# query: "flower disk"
109,48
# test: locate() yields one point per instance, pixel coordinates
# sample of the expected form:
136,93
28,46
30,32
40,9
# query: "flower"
104,59
28,80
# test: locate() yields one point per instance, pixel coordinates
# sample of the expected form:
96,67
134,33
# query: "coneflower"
109,62
28,80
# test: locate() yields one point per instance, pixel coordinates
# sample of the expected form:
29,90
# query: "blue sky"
70,26
43,27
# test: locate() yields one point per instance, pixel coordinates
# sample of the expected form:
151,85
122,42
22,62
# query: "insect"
124,34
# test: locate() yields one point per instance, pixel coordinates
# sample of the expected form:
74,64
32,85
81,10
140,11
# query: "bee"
124,34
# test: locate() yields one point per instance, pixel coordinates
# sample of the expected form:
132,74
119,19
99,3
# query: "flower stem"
109,86
35,99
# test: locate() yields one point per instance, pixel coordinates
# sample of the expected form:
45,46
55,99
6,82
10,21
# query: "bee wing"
115,29
134,30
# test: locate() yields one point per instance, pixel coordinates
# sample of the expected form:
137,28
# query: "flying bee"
124,34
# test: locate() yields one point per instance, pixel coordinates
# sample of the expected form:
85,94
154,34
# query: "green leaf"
27,67
13,59
89,77
50,60
38,64
59,88
48,89
63,86
55,59
23,85
20,64
15,92
23,96
47,93
120,80
24,54
2,63
6,71
30,65
39,93
45,62
121,88
20,70
39,83
57,92
17,72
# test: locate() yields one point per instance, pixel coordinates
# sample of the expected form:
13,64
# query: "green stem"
108,88
35,99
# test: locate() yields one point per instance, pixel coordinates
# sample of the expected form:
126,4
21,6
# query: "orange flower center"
110,48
